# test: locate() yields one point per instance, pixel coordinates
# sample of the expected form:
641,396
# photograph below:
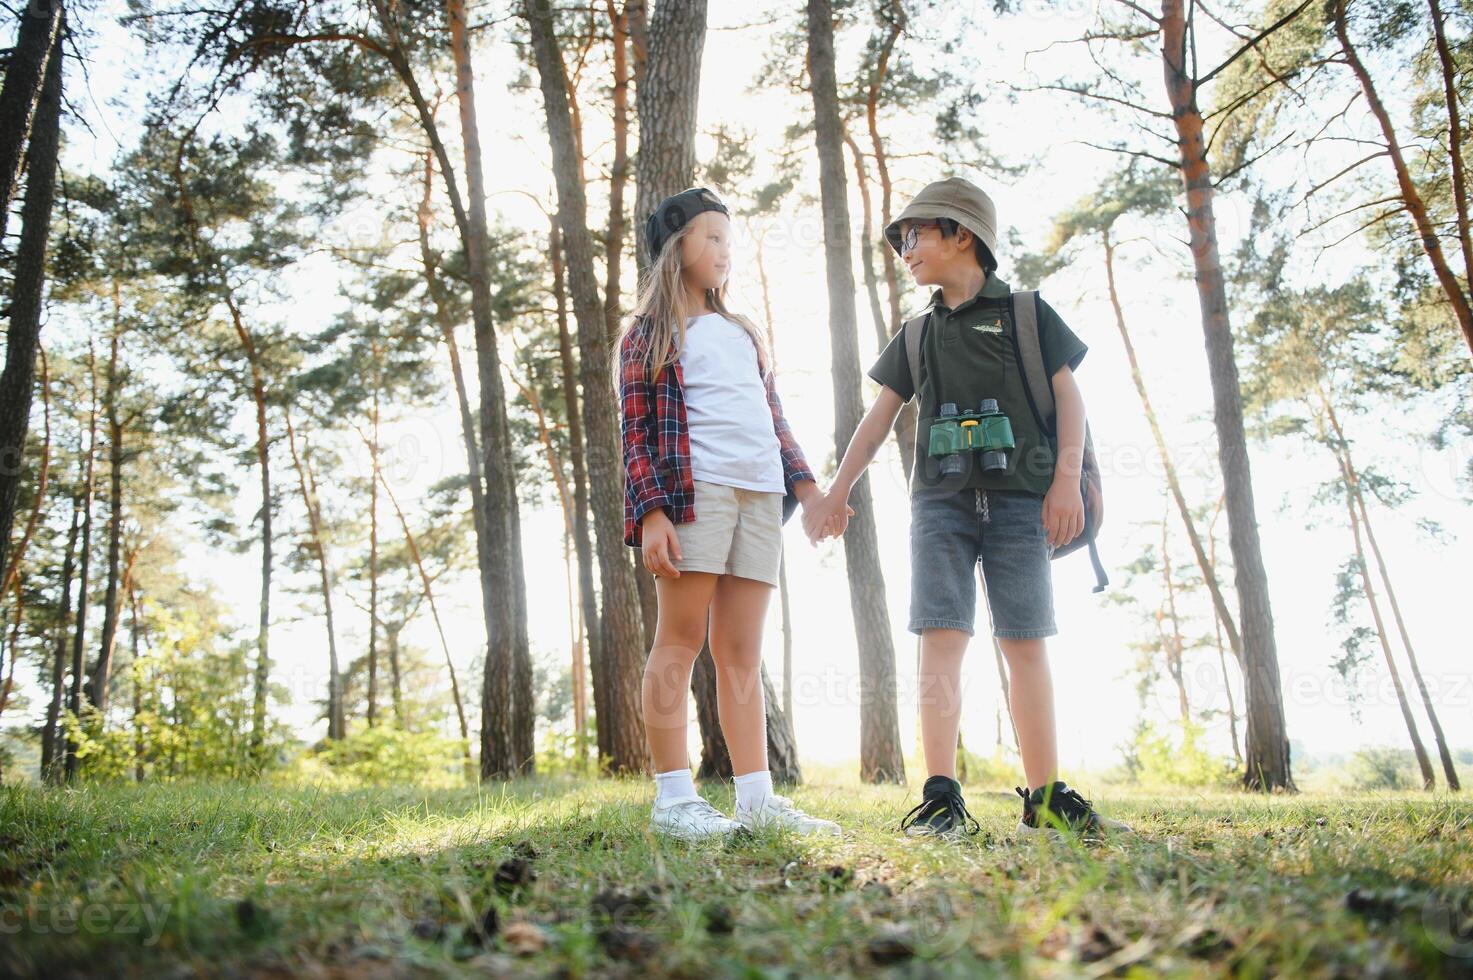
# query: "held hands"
825,515
1063,512
659,543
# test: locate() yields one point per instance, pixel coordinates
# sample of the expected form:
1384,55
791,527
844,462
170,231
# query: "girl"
712,471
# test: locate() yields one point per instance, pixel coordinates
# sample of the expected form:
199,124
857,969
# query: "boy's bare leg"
680,631
1031,690
738,616
940,697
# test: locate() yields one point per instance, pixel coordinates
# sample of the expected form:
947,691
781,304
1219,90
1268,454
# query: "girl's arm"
636,406
796,473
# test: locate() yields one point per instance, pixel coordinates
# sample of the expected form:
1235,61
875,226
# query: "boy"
1010,515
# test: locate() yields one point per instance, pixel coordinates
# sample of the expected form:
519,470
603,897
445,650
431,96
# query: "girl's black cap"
673,212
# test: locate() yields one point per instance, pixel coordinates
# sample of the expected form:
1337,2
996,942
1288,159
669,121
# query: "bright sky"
1092,657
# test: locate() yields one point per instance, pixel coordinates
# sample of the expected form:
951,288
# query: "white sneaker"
691,819
779,811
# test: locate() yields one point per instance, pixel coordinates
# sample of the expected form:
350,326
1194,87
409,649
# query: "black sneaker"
941,812
1054,808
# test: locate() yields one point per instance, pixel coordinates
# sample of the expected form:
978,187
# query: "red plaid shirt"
657,440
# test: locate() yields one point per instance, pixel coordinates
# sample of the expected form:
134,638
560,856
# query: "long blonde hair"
664,303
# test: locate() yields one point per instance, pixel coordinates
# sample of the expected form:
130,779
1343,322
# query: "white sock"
752,788
677,784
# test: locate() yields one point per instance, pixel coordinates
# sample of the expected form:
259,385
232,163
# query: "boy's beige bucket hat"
956,198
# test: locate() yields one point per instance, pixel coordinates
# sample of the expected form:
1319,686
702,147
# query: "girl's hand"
1063,512
827,516
659,543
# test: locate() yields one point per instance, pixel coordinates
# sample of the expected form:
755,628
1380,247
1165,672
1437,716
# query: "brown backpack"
1040,389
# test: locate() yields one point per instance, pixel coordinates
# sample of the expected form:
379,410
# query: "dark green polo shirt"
967,355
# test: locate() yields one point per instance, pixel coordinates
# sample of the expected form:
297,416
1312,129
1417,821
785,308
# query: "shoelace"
786,805
1075,807
699,806
949,800
783,804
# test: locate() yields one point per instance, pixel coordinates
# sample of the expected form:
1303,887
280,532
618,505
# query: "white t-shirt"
732,440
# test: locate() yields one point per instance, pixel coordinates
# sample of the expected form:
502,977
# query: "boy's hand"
659,543
1063,512
826,515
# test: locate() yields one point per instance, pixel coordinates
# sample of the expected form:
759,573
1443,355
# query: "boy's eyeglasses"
913,236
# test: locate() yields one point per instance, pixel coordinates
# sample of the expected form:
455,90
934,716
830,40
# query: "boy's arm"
830,513
1069,415
1063,505
868,437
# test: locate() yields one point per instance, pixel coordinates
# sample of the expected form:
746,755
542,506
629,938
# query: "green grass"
167,880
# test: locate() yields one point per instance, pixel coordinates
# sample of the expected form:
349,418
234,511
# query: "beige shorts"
736,532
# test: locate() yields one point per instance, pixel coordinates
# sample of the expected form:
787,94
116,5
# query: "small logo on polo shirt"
989,326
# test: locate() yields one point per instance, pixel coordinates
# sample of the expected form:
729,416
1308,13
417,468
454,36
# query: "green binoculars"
986,430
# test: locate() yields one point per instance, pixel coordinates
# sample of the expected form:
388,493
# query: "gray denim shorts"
951,531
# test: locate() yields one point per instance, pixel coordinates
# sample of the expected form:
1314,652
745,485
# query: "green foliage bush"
1383,769
384,755
1155,757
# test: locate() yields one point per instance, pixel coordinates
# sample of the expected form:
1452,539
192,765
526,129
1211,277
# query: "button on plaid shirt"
657,440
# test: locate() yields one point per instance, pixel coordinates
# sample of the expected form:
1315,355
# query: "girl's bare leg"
680,630
738,614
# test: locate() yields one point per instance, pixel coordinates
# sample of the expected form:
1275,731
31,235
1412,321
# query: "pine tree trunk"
881,758
575,645
784,602
1176,647
1267,765
36,42
1449,770
666,93
1411,198
1445,755
412,546
102,672
1455,137
1217,630
1347,482
336,721
507,721
668,47
582,532
79,632
139,742
618,171
905,423
373,618
614,240
28,285
1007,691
51,748
507,710
467,424
396,686
620,727
262,673
1209,572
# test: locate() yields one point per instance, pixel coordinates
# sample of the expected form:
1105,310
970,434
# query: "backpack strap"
1041,393
1030,350
913,329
